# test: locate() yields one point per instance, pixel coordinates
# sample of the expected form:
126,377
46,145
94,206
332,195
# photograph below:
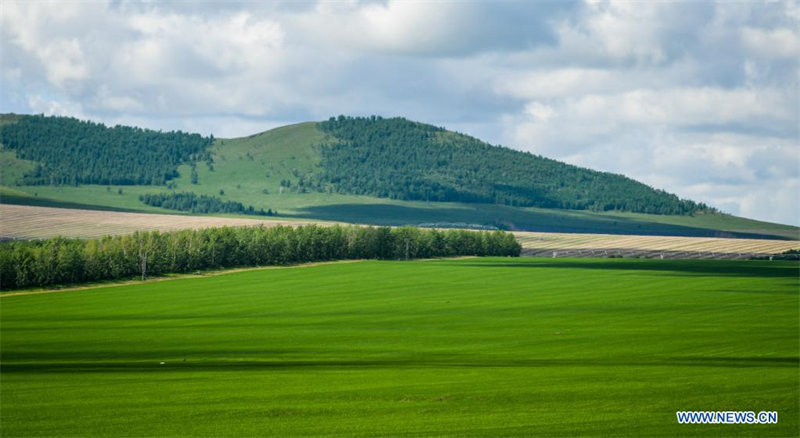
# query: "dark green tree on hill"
190,202
70,152
399,159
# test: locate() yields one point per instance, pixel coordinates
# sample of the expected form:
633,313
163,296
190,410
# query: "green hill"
70,151
293,170
400,159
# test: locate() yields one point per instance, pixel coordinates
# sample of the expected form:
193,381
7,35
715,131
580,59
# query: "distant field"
27,222
473,347
548,244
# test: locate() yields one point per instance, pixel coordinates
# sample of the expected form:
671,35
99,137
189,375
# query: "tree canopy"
70,152
68,261
188,201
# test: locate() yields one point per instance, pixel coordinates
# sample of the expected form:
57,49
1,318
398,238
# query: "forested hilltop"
70,152
399,159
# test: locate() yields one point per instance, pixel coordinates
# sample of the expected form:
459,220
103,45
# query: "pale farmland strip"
562,241
28,222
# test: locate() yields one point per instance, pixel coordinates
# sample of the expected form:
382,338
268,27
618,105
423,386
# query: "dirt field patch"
545,244
28,222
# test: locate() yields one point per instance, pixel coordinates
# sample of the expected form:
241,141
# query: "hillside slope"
265,170
400,159
68,151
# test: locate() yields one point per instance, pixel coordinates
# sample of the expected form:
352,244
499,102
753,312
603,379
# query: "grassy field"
471,347
250,170
12,167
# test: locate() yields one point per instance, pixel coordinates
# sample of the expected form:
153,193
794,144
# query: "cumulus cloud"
696,98
395,27
411,28
778,43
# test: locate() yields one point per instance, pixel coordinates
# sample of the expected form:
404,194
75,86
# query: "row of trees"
399,159
189,201
65,261
71,152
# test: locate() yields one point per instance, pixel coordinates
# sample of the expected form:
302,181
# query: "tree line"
61,261
400,159
69,151
189,201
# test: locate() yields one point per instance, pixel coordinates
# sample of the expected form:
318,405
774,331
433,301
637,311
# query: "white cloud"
587,119
778,43
42,105
201,64
32,29
623,30
690,106
229,44
696,98
554,82
408,27
540,112
398,27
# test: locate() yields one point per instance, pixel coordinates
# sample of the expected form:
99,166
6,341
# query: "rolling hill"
393,172
400,159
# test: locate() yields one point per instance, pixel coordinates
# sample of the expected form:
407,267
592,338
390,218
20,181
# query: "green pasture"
470,347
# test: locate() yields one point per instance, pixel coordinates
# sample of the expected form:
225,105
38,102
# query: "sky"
697,98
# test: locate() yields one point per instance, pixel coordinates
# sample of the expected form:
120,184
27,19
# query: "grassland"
472,347
250,170
12,167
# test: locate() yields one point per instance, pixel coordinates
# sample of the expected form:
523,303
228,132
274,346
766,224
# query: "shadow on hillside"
47,202
478,362
714,268
515,218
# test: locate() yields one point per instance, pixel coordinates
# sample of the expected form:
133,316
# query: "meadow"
467,347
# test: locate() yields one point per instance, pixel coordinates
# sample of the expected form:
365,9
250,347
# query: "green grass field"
470,347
